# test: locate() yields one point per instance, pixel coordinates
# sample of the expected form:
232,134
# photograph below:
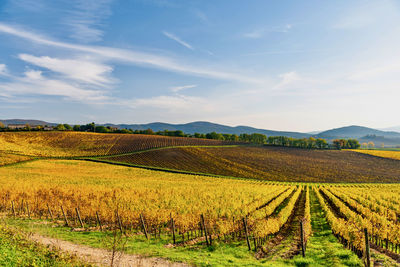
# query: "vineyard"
271,163
189,210
235,221
381,153
72,144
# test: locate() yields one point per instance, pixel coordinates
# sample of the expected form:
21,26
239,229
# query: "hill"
355,132
271,163
207,127
30,122
72,144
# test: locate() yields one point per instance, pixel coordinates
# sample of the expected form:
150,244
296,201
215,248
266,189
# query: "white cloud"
288,79
3,69
177,103
34,75
85,17
176,89
36,84
133,57
76,69
261,32
178,40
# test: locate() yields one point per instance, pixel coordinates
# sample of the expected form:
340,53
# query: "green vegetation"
17,250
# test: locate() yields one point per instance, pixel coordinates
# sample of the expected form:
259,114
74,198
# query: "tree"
371,144
60,127
101,129
2,125
77,128
67,127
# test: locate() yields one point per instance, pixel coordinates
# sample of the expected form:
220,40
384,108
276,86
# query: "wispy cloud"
261,32
85,19
82,70
34,83
170,104
3,69
201,15
177,39
132,57
176,89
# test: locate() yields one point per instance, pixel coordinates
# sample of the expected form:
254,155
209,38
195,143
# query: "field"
9,158
72,144
391,154
271,163
197,219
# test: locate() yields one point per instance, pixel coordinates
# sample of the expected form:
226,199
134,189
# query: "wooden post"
367,251
99,221
204,228
12,207
65,217
51,214
27,209
303,245
79,217
22,207
246,232
144,226
173,229
119,222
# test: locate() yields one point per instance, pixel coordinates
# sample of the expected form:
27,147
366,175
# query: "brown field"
272,163
69,144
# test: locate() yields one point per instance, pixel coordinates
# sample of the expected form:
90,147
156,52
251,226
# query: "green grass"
323,249
220,254
16,250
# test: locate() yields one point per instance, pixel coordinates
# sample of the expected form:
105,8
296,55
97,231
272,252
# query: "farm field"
391,154
72,144
159,205
9,158
196,219
271,163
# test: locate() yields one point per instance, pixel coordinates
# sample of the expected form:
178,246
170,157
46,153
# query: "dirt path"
102,257
286,243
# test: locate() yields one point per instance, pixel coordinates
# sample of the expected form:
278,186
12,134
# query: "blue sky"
284,65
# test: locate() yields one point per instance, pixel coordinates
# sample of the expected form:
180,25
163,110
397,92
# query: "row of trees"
346,144
255,138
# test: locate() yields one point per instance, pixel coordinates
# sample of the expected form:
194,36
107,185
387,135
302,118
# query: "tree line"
255,138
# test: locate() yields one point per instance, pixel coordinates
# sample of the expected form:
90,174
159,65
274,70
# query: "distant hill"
207,127
395,129
31,122
356,132
363,134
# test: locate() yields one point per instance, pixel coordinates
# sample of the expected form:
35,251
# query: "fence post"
246,232
367,251
303,247
13,209
27,208
204,228
65,217
173,229
144,226
98,221
79,217
51,214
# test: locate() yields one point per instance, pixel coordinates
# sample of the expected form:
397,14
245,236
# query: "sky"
281,65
